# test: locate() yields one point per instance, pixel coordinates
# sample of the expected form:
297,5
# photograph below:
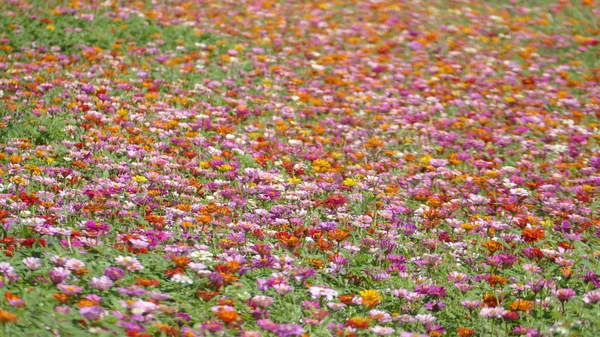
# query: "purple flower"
328,225
414,45
431,290
92,313
268,325
58,275
435,306
591,297
62,309
216,278
288,330
114,273
101,283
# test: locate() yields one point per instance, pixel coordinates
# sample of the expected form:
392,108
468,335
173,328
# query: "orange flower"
494,280
338,234
358,322
532,235
181,261
465,332
6,316
227,316
207,295
287,239
492,245
62,298
167,329
521,305
370,297
346,299
86,303
144,282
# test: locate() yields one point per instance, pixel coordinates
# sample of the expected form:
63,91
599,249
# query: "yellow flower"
370,297
349,182
295,180
34,169
19,180
50,27
426,159
139,179
224,168
321,165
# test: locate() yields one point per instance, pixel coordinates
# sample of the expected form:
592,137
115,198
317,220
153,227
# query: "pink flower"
495,312
564,294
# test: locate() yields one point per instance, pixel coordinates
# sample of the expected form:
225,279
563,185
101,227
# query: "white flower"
201,255
180,278
519,192
318,292
382,330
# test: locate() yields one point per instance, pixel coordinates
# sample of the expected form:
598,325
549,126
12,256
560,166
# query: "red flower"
334,201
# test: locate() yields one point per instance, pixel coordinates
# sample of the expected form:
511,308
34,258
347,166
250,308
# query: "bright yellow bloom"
321,165
19,180
139,179
349,182
295,180
224,168
370,297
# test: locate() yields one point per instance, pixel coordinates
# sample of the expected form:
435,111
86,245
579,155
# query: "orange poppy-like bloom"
60,297
168,329
492,245
532,235
465,332
521,305
227,316
370,297
338,234
144,282
6,316
181,261
287,239
207,295
358,322
346,299
495,280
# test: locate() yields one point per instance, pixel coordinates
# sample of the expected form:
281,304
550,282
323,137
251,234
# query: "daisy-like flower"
69,290
382,330
564,294
58,275
201,255
262,301
101,283
591,297
317,292
92,313
32,263
493,312
425,319
130,263
181,278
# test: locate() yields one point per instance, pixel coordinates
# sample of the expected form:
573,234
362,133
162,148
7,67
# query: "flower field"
300,168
